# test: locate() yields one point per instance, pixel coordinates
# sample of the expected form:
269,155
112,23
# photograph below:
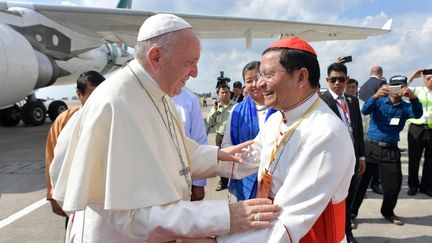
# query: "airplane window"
55,40
38,37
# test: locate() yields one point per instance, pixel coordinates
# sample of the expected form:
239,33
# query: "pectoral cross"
185,172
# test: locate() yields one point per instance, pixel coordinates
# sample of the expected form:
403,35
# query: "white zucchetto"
159,24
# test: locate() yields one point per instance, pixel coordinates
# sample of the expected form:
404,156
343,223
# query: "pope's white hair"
165,42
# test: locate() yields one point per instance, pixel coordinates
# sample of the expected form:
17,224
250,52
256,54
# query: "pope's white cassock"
122,167
312,174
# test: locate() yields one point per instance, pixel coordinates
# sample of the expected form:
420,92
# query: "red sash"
329,227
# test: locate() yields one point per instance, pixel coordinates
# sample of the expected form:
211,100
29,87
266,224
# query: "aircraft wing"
122,25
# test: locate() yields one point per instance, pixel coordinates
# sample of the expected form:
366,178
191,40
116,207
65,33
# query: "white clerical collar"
153,87
335,96
300,109
260,107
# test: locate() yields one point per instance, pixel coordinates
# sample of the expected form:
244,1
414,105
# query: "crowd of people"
131,164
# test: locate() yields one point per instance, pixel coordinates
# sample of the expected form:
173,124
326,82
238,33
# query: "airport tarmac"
26,217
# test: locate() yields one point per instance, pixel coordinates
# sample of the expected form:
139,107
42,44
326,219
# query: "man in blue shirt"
388,116
188,108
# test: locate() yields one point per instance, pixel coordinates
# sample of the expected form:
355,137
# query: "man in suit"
372,85
348,109
237,93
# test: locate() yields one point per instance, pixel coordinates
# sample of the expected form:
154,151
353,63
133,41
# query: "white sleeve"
226,141
166,223
61,148
320,174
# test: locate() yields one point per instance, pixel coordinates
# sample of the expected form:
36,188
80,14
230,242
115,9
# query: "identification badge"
264,185
395,121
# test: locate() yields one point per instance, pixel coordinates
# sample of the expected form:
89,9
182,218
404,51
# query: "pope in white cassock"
128,166
305,152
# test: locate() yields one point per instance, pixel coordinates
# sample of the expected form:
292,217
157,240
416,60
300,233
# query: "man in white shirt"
189,110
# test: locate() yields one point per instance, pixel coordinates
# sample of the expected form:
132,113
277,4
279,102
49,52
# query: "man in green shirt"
420,138
218,118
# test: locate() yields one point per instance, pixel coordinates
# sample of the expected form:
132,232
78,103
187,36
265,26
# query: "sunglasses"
334,79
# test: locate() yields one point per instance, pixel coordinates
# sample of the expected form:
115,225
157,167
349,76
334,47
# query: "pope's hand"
252,214
229,154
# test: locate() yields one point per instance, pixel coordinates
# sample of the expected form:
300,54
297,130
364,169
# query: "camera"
394,89
427,71
221,80
347,59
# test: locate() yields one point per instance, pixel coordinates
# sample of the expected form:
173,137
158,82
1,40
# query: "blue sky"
402,51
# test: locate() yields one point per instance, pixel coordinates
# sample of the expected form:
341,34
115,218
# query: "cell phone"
427,71
347,59
395,89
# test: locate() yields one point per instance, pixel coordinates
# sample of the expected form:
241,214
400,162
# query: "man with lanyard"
388,116
305,162
348,109
244,123
420,138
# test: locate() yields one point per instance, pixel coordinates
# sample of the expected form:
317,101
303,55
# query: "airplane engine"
22,69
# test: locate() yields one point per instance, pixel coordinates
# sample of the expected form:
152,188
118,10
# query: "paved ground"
22,184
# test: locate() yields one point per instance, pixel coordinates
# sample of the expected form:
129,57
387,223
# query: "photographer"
221,80
388,116
218,118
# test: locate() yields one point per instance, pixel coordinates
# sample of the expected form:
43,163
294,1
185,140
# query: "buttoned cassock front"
312,175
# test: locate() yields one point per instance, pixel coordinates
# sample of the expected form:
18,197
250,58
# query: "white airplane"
43,45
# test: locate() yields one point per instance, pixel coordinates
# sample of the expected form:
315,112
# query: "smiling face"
281,90
251,86
177,63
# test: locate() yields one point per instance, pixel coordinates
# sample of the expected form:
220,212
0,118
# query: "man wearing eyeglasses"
305,163
347,108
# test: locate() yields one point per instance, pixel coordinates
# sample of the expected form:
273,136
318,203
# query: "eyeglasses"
334,79
269,75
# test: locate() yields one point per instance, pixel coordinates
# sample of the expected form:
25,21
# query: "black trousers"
387,161
352,192
419,140
219,138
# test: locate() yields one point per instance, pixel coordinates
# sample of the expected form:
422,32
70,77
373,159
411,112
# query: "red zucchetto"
294,43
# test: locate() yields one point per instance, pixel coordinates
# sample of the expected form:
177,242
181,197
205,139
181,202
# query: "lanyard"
286,137
344,108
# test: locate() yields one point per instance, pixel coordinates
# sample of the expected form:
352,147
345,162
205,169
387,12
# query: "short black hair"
237,84
222,86
254,65
292,59
352,81
91,78
337,67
